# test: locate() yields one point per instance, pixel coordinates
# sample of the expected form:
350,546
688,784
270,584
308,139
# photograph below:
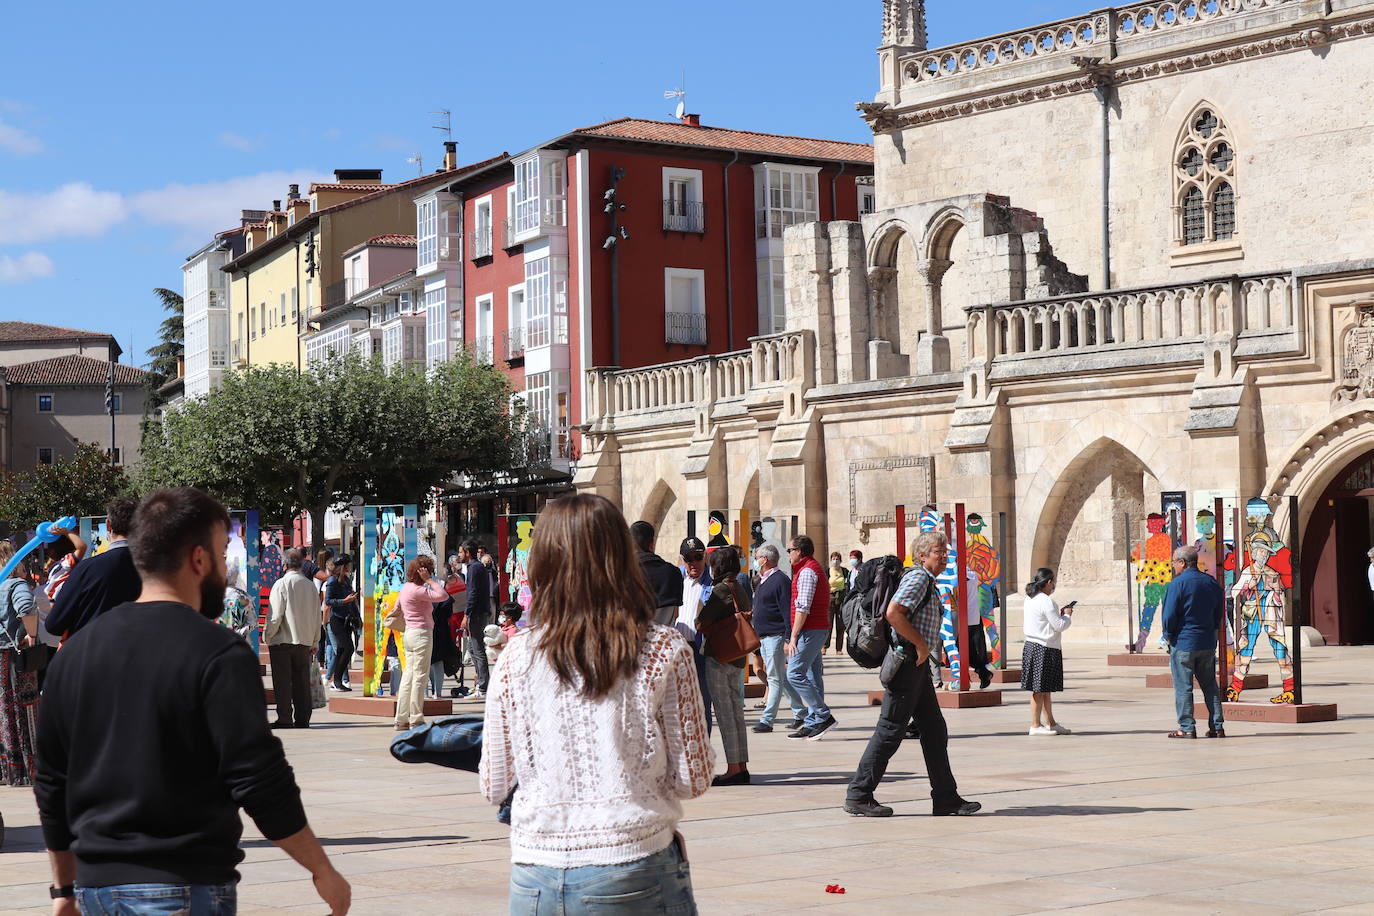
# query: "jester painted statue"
1206,547
1258,594
1153,574
388,575
930,519
518,563
987,565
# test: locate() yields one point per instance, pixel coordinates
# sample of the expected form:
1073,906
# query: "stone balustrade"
1163,315
771,362
1104,33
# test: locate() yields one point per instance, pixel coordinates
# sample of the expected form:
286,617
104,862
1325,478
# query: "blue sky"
131,132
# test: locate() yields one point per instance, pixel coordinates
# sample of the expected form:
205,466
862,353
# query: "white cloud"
237,142
78,210
17,141
73,210
28,266
208,207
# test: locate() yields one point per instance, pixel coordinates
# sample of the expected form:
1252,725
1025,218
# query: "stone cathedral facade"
1125,254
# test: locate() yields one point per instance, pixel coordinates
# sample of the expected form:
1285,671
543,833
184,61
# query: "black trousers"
481,672
291,682
977,648
343,649
911,696
836,624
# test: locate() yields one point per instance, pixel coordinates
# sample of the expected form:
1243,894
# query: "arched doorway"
1339,532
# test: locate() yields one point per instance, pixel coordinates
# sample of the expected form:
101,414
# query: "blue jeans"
1200,664
660,883
775,661
158,900
807,677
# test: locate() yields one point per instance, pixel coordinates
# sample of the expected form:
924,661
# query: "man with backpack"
914,614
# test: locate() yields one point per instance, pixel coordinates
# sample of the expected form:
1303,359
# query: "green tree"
285,442
82,484
171,336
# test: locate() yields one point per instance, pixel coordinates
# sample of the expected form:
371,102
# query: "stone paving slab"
1114,819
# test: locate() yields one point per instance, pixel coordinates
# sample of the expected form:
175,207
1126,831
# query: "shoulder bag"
28,660
732,638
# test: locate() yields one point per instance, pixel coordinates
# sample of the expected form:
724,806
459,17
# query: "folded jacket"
449,741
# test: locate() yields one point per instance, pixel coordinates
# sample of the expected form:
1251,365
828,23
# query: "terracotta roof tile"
399,241
348,186
28,330
675,132
72,370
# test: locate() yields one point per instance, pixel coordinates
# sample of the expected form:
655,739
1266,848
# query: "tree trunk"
317,514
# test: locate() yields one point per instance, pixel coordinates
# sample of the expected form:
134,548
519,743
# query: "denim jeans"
805,673
775,662
660,883
1200,664
158,900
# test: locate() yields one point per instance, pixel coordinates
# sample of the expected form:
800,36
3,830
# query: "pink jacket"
417,604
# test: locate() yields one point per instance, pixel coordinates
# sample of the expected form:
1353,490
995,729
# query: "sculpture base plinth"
755,691
384,707
1285,713
999,676
968,699
1252,681
1138,660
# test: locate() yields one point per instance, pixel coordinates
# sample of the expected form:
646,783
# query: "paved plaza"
1114,819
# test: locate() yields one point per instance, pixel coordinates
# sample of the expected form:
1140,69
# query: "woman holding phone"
1042,659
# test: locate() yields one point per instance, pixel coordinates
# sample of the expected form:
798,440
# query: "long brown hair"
590,601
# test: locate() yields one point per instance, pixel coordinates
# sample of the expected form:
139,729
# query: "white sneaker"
1060,730
1038,731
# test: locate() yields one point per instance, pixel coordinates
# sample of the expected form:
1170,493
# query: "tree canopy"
82,484
283,441
171,337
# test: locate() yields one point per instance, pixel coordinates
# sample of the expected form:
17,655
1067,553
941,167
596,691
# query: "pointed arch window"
1204,180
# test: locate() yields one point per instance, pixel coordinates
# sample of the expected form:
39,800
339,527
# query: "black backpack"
864,612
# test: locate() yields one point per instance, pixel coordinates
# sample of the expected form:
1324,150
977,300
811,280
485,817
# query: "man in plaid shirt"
914,615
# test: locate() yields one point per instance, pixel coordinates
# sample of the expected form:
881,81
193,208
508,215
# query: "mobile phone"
1070,606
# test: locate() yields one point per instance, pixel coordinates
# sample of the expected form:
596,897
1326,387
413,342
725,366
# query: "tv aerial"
680,94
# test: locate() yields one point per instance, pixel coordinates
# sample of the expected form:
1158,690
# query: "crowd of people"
598,720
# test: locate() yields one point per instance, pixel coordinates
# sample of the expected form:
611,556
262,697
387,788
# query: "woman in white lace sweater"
595,720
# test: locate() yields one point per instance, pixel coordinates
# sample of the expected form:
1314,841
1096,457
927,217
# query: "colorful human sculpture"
1259,597
930,519
715,531
983,560
1153,574
518,561
387,568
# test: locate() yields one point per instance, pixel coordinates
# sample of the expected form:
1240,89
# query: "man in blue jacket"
1193,609
478,581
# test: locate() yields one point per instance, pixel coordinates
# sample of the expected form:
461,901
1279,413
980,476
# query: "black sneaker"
961,808
280,724
821,728
984,679
799,734
798,722
867,807
762,729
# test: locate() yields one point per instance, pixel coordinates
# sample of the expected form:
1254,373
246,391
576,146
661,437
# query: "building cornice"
1304,35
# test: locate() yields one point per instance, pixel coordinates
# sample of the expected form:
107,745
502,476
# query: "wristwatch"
57,893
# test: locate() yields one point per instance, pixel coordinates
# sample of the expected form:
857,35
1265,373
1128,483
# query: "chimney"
450,155
693,119
276,206
293,192
248,217
358,176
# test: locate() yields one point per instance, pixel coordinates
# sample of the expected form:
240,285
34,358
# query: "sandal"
760,705
1180,733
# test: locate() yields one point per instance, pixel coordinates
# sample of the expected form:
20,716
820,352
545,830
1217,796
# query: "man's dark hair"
804,544
471,546
119,514
643,535
168,524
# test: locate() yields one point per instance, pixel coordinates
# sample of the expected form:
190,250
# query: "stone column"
932,350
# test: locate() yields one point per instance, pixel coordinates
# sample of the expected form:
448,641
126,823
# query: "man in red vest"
810,624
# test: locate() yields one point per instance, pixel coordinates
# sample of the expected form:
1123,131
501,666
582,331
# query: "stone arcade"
1121,254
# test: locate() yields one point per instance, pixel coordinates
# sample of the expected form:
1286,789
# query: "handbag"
29,660
318,698
731,638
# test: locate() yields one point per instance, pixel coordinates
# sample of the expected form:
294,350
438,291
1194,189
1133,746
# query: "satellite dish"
681,110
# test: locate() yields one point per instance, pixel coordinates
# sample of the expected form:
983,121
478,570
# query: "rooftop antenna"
419,162
447,126
680,93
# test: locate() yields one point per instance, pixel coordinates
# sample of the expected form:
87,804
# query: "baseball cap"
690,546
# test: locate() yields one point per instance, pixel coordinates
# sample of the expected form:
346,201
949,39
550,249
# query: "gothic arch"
892,260
882,249
1320,453
657,504
941,231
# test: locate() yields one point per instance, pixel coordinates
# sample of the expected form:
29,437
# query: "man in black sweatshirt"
664,578
478,612
152,734
99,582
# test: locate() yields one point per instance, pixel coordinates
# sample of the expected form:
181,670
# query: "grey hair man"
914,614
772,621
292,632
1193,608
